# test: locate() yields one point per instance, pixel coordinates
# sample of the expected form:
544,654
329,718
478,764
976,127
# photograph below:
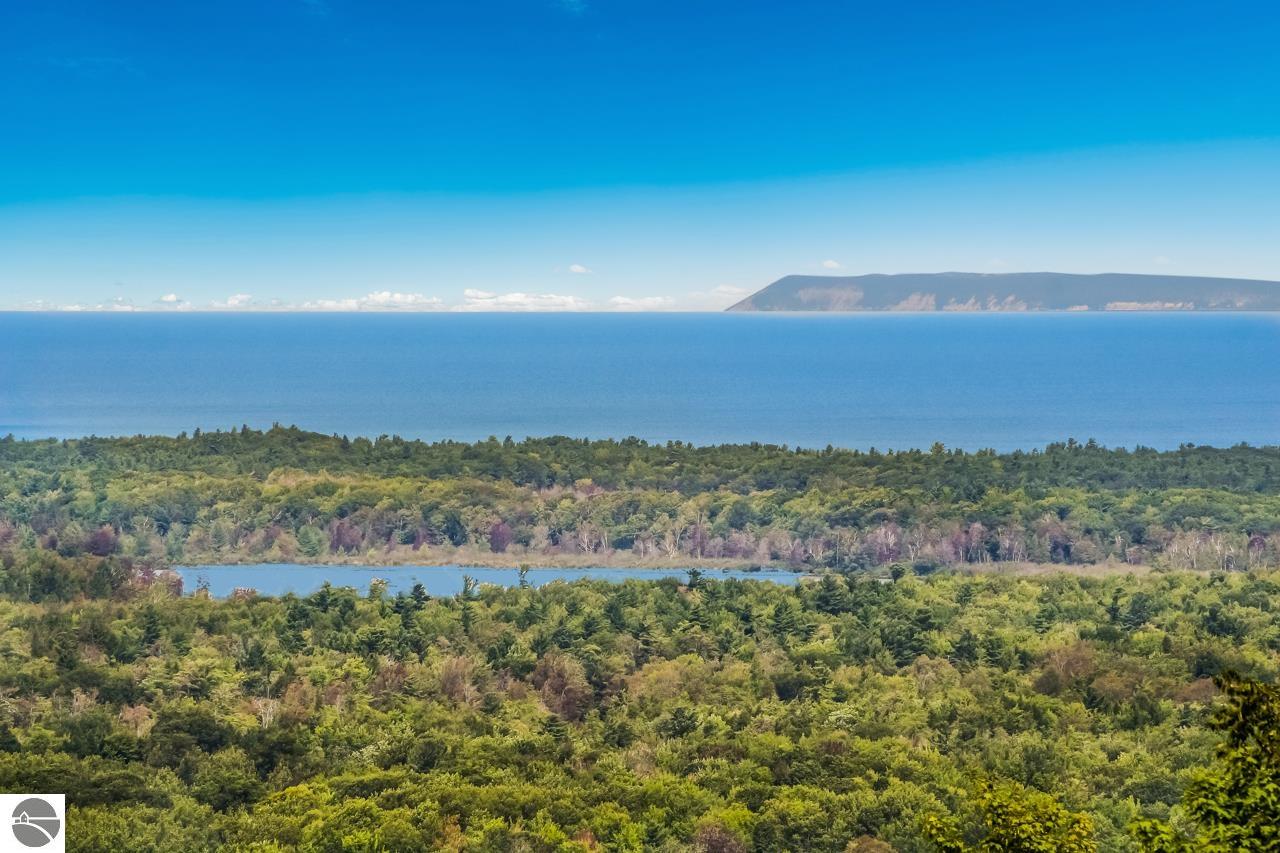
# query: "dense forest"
941,713
289,495
910,708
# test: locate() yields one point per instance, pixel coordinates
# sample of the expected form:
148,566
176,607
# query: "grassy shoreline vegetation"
476,558
1008,690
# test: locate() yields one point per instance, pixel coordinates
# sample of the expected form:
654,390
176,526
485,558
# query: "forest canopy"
945,712
918,707
289,495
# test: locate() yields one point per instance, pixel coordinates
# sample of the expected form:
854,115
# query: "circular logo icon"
35,822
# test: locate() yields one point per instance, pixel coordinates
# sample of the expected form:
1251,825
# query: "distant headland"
1018,291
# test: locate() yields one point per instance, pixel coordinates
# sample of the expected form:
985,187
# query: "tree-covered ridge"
285,494
674,466
936,713
1016,291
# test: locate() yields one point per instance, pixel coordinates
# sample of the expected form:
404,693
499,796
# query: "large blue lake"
278,579
889,381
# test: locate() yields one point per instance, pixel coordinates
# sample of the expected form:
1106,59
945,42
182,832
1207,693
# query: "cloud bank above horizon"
386,301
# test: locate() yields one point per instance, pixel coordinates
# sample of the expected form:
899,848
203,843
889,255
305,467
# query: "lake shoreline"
500,561
224,580
706,566
276,579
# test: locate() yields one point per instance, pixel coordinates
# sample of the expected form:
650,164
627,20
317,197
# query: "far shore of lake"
491,560
467,558
222,580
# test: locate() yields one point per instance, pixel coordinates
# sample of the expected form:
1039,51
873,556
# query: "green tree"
1011,818
1235,804
8,742
226,779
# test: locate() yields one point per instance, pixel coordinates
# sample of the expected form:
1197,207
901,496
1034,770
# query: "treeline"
285,494
844,714
674,466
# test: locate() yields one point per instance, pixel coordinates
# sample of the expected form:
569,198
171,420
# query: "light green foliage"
1013,819
686,717
1233,805
847,713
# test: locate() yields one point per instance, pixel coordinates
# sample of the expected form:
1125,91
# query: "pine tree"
8,740
785,622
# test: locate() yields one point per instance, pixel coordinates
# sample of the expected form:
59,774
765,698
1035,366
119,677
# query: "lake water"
889,381
278,579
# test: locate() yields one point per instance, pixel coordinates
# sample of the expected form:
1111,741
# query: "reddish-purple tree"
500,537
101,542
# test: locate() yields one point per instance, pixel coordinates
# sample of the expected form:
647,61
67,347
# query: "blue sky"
620,153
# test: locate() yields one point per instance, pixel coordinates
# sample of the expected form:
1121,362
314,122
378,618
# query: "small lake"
281,578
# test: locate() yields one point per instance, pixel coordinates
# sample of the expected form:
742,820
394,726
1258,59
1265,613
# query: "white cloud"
169,302
717,298
484,300
831,265
642,303
391,300
1162,260
473,299
119,303
237,300
387,297
327,305
579,269
380,300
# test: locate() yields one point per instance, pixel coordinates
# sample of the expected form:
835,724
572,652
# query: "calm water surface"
889,381
279,578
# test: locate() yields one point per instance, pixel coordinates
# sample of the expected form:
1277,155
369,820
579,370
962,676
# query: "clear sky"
621,153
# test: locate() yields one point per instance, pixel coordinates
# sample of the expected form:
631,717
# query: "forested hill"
942,711
1023,291
673,466
287,495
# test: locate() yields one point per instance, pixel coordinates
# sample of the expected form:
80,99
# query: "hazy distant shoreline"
1033,292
